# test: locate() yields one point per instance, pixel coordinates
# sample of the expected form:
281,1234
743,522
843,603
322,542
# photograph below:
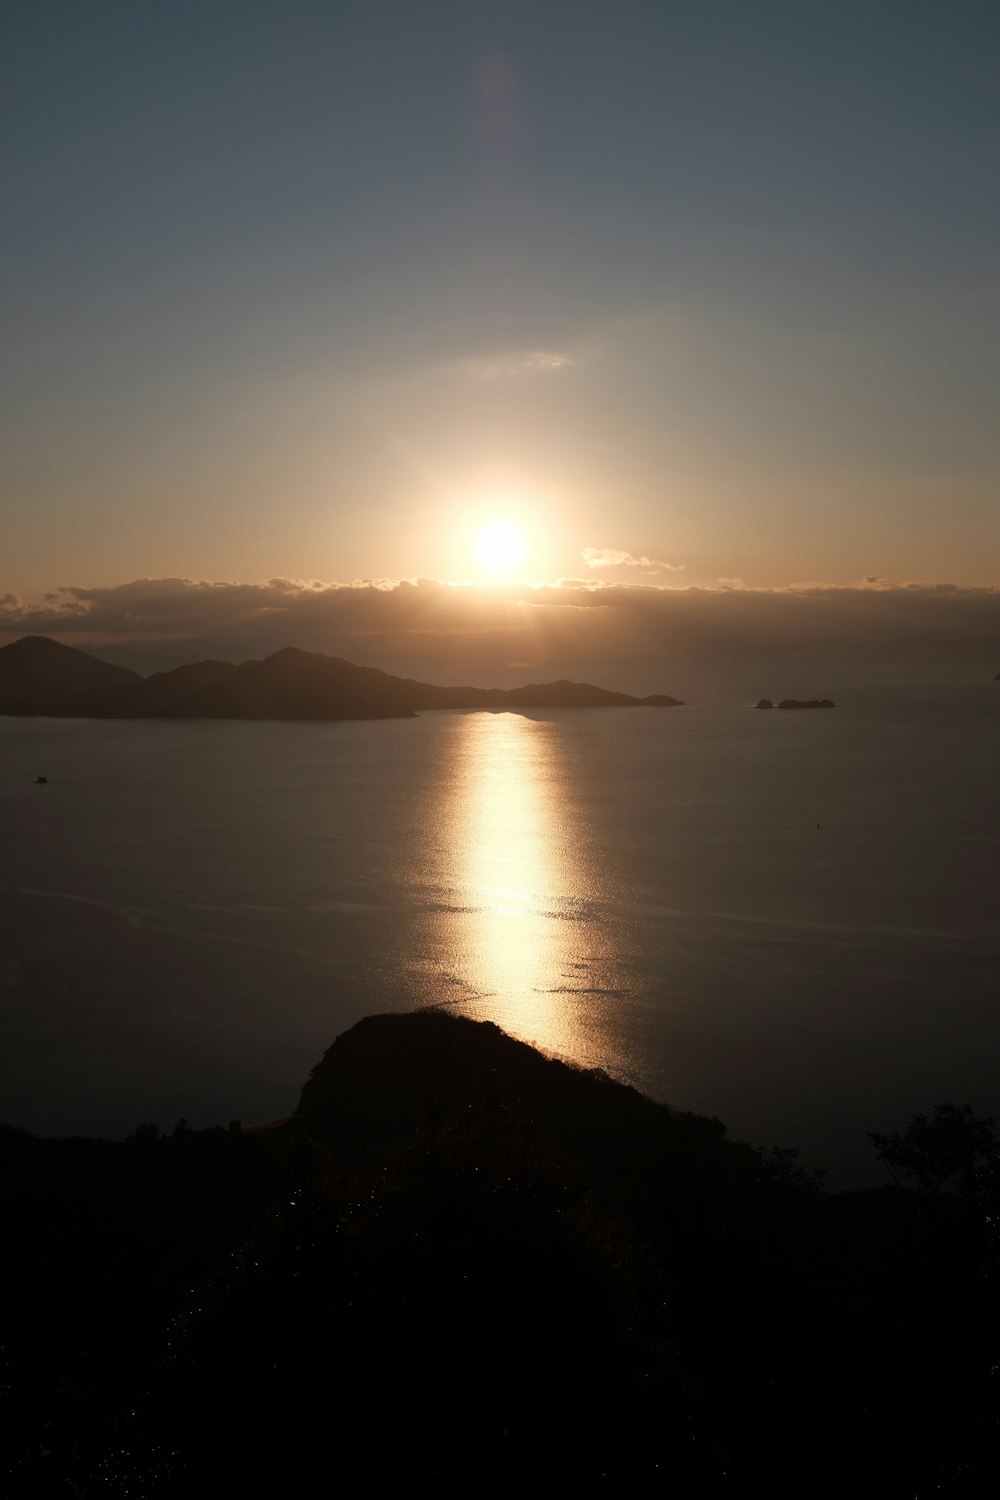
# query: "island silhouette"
41,676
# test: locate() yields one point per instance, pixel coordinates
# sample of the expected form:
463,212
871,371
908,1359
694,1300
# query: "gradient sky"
309,289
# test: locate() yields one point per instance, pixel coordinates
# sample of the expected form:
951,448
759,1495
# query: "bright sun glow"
500,546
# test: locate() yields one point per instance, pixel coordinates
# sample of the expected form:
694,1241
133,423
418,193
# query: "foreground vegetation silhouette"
463,1264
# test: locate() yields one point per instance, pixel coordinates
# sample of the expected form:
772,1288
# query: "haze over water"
787,920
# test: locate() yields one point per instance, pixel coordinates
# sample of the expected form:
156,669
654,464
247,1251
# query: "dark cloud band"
393,621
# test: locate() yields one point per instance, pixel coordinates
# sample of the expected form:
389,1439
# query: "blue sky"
312,290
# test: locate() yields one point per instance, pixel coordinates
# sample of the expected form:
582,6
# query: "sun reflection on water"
524,938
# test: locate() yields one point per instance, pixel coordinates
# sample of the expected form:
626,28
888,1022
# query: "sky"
702,296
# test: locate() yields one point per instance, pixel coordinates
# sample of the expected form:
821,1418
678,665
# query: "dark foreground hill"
461,1267
40,676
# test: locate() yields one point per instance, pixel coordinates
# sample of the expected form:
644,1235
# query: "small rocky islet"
767,703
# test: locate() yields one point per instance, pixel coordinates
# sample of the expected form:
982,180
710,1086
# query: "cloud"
614,557
641,636
279,611
519,363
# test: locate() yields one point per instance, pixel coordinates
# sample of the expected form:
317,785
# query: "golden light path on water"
527,936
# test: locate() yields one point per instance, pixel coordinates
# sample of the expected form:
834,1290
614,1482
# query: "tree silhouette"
951,1148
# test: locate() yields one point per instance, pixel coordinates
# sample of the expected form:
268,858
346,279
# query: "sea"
788,920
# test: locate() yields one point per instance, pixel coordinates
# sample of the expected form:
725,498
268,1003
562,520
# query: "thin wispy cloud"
519,364
615,557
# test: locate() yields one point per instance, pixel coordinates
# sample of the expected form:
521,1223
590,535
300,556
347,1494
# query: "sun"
500,546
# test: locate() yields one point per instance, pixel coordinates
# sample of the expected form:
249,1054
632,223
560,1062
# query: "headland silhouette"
457,1256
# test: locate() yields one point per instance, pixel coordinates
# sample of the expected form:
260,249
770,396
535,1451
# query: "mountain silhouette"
40,676
166,693
290,684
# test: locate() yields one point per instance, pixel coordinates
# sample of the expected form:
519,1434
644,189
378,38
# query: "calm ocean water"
787,920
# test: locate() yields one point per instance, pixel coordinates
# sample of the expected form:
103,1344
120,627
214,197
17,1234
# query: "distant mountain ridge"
42,676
